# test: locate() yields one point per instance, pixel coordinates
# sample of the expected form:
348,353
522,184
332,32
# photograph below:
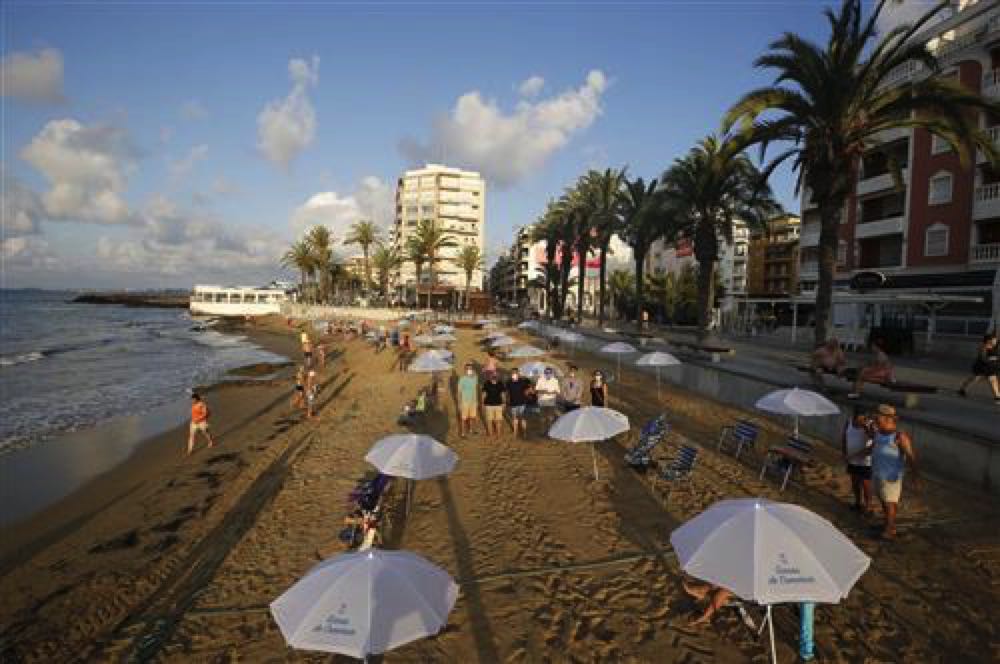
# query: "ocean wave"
11,360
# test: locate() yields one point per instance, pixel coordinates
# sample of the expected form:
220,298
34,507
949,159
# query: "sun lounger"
651,435
741,435
784,459
682,465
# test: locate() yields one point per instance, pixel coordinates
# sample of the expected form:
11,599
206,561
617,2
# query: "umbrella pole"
593,455
770,627
657,384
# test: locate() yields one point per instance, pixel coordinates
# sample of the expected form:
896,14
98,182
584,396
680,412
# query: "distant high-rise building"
451,199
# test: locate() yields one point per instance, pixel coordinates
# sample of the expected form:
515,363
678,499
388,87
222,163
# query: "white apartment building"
732,264
451,199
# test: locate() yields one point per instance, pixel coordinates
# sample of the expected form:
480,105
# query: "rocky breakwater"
158,300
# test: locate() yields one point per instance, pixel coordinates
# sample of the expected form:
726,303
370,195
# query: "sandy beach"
175,559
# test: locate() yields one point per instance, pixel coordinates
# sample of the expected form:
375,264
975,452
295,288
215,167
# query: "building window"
940,189
842,253
939,145
936,240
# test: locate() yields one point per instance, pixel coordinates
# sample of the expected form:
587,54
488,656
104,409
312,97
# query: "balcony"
891,226
991,84
986,203
809,270
904,73
984,253
890,135
994,133
809,236
870,185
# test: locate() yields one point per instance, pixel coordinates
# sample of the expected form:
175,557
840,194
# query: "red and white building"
941,232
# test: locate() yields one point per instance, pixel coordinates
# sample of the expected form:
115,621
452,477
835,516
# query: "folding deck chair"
784,459
652,434
741,435
682,465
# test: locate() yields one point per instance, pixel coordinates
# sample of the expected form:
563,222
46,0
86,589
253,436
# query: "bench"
743,434
795,453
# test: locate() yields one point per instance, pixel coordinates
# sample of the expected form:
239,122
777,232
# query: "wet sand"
553,565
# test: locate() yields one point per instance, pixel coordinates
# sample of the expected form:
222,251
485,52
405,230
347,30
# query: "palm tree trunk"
468,289
829,214
640,264
430,287
706,296
582,272
368,275
603,284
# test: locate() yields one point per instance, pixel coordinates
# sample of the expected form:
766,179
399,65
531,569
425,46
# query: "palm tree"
469,259
622,286
644,220
548,230
320,242
415,254
386,260
299,257
431,240
602,192
711,186
364,234
579,235
830,101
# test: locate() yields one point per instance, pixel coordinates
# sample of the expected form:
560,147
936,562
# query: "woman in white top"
856,445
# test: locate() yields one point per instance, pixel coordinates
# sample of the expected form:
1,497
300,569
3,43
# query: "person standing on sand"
517,401
493,391
891,452
548,392
598,390
986,365
856,446
307,350
312,389
468,403
199,421
572,390
491,363
299,394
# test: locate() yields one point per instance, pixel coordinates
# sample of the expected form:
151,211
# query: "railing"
993,25
946,48
988,192
985,253
903,72
991,80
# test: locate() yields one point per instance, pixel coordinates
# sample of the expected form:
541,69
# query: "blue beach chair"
682,466
740,436
652,434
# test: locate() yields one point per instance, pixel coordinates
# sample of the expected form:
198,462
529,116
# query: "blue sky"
152,144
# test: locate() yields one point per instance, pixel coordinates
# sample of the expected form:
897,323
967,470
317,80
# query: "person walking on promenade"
299,393
199,421
517,400
493,391
468,402
312,390
986,365
891,451
856,446
572,390
828,358
598,390
879,371
307,350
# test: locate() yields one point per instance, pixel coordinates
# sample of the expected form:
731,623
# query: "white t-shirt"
857,441
548,390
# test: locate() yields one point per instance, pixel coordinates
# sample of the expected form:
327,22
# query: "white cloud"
531,86
29,252
506,147
193,109
181,168
373,200
221,186
287,126
21,209
87,169
34,77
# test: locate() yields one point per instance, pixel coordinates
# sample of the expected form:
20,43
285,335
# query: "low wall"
944,451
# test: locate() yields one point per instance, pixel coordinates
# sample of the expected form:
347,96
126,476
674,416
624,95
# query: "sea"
66,367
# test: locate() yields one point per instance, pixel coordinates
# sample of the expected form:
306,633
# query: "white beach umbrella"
443,329
797,403
444,338
529,325
537,368
484,321
494,335
441,354
428,363
498,342
525,351
423,340
657,359
619,348
769,553
570,337
365,603
413,456
589,424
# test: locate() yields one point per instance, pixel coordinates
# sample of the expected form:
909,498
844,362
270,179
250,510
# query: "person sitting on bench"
828,358
879,371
